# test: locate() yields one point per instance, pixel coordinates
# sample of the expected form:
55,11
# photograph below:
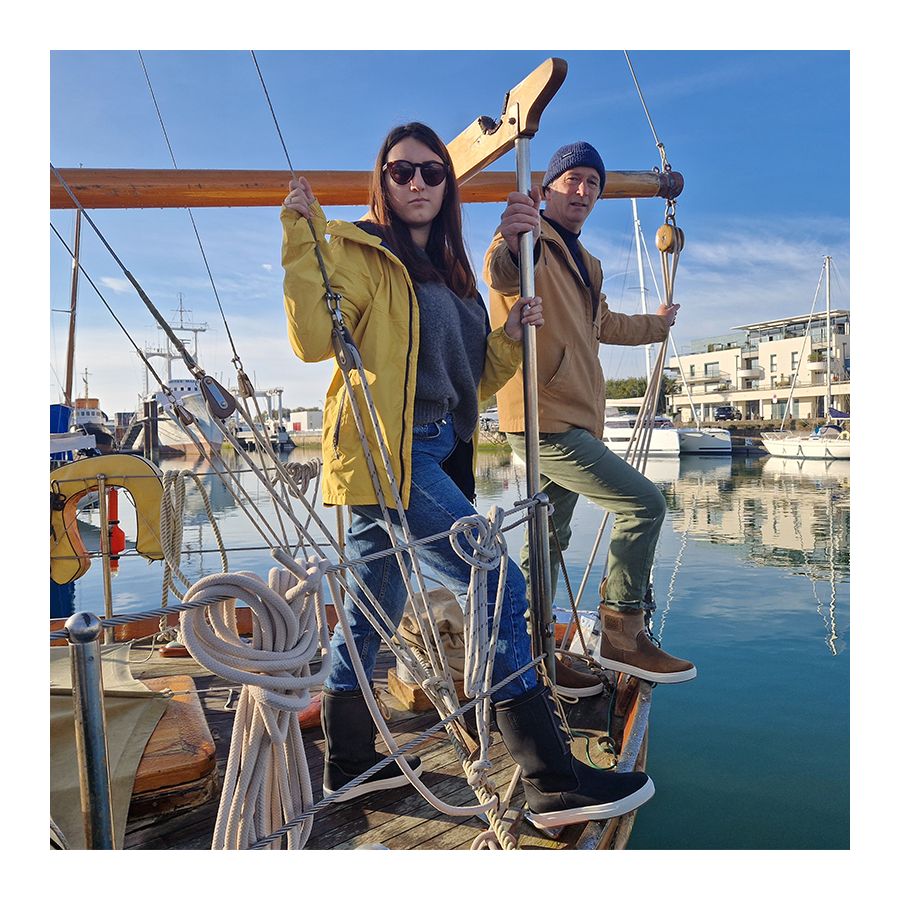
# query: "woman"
410,302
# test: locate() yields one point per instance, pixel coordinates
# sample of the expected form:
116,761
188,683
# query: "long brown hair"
447,259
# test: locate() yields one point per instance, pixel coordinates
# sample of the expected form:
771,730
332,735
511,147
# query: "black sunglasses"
402,172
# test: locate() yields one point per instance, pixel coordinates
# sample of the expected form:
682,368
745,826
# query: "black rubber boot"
350,748
560,789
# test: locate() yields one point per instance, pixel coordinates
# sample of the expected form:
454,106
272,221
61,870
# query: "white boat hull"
811,446
171,435
663,441
704,441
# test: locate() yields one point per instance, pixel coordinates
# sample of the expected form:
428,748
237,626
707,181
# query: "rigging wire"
179,345
236,358
262,81
659,144
117,320
244,385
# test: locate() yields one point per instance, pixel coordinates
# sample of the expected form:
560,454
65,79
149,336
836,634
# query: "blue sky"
762,138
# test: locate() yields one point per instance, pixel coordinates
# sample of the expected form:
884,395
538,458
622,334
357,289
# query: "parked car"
726,413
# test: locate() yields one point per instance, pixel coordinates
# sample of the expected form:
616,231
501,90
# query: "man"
574,461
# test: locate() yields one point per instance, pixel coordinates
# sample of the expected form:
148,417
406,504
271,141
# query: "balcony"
703,378
751,372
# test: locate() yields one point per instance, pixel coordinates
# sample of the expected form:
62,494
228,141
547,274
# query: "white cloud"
117,285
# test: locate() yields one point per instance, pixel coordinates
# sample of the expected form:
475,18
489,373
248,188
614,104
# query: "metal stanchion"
103,502
541,602
90,730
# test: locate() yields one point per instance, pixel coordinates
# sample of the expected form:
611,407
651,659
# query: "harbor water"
751,582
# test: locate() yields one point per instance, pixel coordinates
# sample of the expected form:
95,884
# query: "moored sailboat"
830,440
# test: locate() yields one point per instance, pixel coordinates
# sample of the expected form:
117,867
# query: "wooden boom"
483,142
170,188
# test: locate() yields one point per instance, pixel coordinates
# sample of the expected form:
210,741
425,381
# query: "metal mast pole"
640,262
70,352
540,600
828,333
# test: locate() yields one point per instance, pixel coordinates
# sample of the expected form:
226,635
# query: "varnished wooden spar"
165,189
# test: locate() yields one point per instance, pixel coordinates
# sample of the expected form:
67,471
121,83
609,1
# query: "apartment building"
766,368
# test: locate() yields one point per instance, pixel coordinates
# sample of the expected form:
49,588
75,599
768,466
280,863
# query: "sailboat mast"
640,262
828,332
70,350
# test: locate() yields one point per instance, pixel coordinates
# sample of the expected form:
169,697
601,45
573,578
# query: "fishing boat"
91,420
172,792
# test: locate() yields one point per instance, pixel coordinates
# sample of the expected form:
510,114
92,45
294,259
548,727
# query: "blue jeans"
435,503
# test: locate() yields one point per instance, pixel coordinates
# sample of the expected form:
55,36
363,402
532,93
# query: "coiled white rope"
267,777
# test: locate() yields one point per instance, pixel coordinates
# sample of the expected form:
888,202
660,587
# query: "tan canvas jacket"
571,388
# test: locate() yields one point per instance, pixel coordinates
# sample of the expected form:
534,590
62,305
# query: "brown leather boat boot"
626,647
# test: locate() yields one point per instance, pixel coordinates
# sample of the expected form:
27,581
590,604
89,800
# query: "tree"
622,388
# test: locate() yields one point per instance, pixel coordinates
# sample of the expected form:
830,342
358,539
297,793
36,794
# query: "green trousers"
575,463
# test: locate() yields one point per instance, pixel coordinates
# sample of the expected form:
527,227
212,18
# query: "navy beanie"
581,153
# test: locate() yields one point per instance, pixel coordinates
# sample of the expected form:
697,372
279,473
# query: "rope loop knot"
485,544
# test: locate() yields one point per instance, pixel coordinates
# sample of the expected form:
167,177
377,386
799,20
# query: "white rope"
267,778
486,550
490,802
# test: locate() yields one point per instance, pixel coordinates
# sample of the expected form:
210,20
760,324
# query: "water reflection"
785,512
780,514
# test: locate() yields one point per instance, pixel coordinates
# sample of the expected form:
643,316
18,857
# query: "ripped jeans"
435,504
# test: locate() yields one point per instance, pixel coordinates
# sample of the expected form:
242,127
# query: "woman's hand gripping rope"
300,197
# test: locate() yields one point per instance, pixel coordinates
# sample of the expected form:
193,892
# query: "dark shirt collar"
563,232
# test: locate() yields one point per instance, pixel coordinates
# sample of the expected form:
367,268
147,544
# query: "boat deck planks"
400,819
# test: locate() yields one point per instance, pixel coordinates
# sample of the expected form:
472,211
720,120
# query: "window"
795,357
691,372
774,381
773,362
711,368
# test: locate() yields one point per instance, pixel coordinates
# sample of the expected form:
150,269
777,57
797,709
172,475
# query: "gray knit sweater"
452,343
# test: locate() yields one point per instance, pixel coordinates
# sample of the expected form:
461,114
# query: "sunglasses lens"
401,171
433,173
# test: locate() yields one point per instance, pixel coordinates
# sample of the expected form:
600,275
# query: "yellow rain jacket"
381,314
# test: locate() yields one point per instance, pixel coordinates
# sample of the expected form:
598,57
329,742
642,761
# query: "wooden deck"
398,819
